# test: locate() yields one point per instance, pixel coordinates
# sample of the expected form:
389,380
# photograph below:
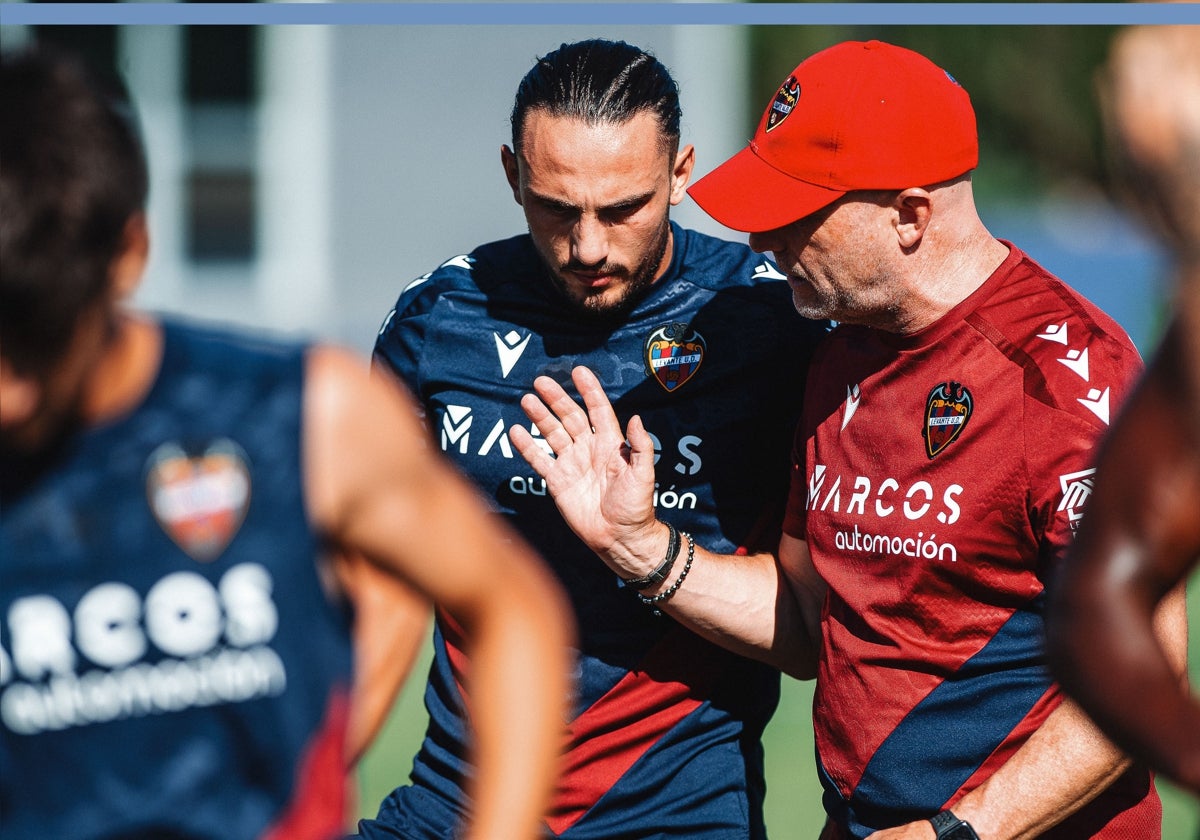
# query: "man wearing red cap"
940,468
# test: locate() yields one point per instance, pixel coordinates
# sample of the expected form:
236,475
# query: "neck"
125,371
944,276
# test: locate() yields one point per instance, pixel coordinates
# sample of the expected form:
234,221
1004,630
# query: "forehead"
583,164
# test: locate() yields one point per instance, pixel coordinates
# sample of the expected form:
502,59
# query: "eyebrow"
627,203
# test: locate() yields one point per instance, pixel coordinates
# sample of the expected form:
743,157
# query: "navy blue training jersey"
170,664
665,736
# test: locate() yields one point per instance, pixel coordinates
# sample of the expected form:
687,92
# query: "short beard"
595,309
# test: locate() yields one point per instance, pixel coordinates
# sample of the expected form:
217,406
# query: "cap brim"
747,194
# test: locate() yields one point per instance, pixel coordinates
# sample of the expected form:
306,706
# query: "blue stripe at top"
948,735
672,14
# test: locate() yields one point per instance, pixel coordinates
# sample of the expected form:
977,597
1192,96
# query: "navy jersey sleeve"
398,347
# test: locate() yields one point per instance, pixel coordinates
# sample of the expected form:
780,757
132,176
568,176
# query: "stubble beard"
603,307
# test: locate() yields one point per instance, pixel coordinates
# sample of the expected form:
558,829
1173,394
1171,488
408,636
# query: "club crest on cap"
673,353
947,411
199,498
783,103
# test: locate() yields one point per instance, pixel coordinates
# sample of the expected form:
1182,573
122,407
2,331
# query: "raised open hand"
601,480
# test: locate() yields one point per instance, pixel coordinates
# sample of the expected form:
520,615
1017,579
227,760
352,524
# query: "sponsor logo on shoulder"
1076,490
199,498
673,354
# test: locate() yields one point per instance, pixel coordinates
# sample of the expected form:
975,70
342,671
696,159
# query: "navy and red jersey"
939,479
170,663
665,738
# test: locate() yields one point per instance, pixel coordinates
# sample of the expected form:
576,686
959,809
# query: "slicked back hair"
73,175
599,81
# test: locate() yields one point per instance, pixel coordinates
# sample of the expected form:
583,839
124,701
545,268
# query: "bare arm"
1062,767
602,480
391,623
1141,537
1137,544
375,488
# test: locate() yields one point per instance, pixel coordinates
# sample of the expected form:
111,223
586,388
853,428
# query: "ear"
512,171
914,210
19,395
681,173
125,271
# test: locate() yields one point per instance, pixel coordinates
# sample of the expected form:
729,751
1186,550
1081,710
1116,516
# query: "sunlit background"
301,175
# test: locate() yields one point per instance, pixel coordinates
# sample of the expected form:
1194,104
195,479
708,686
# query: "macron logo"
768,271
853,395
1097,402
1056,333
1077,360
510,349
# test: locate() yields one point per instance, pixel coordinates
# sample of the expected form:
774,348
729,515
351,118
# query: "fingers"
641,447
546,419
566,412
531,450
599,409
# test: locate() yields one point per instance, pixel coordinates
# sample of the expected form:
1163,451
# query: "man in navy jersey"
940,467
691,332
175,617
1141,535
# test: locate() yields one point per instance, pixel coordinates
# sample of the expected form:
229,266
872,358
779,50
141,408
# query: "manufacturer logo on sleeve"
673,354
199,498
853,398
947,411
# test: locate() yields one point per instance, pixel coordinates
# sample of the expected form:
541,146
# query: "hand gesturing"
601,480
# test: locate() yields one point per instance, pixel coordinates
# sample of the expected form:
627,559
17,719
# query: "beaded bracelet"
664,569
674,587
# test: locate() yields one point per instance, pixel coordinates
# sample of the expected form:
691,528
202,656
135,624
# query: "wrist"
947,826
649,560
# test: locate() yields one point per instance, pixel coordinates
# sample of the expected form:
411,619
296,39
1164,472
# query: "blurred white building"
301,175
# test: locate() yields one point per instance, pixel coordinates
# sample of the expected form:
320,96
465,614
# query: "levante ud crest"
199,496
947,411
673,354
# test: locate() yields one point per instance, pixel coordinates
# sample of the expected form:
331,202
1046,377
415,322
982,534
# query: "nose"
762,242
589,241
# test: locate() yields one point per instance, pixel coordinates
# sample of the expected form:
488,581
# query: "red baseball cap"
860,115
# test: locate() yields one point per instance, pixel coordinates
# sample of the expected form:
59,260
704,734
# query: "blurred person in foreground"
693,332
179,507
1141,536
941,463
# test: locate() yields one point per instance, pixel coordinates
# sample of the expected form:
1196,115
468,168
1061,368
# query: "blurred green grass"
793,807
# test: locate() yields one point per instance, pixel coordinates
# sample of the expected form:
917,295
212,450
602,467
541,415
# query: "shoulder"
226,348
722,265
736,275
477,272
1075,357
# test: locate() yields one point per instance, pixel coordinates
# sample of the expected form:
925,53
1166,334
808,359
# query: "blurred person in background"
200,530
691,332
1140,539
